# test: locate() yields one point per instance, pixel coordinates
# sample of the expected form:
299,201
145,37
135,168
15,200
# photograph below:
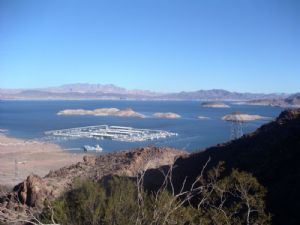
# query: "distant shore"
20,158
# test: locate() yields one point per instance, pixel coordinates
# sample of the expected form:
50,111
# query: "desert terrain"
20,158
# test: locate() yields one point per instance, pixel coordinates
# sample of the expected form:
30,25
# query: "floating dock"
118,133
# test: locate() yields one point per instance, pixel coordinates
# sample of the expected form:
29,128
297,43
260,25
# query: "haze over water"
30,119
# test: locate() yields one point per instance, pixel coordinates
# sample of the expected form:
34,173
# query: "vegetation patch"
235,199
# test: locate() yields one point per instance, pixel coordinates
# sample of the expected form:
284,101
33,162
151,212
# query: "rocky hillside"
272,154
34,190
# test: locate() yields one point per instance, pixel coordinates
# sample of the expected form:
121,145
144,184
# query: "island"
214,105
128,112
242,117
167,115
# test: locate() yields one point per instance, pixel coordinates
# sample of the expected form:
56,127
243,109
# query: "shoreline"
20,157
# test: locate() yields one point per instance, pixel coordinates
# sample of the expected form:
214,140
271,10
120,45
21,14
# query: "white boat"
88,148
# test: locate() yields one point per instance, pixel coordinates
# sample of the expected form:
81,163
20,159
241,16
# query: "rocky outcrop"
32,191
28,196
149,158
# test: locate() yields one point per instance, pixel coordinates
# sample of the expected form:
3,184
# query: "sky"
159,45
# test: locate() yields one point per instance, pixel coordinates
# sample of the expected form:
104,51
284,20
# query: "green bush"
236,199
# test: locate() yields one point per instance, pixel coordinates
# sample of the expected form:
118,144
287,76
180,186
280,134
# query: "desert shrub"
121,202
82,205
237,199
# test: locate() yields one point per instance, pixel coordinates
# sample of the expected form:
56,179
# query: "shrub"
236,199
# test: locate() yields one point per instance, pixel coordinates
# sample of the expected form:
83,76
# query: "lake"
30,119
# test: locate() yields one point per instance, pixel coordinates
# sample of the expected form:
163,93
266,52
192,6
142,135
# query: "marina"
117,133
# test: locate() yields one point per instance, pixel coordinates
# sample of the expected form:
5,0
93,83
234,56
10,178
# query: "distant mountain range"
109,91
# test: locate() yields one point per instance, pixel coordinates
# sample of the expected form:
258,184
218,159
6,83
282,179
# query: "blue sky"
238,45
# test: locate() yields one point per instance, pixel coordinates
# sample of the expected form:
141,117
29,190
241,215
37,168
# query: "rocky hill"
272,154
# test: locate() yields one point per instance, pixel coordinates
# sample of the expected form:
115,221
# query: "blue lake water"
30,119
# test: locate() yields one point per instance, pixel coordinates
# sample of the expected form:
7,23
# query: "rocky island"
168,115
128,112
215,105
242,117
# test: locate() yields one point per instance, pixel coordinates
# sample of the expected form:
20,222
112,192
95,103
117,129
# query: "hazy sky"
239,45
